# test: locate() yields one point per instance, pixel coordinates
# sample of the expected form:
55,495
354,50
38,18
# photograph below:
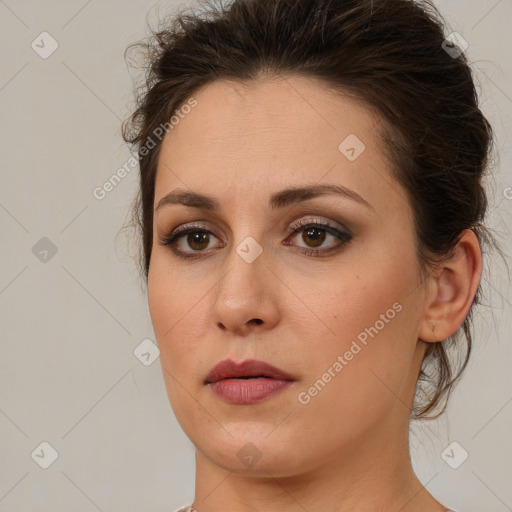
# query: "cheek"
377,321
350,302
168,305
165,311
169,297
369,318
177,314
160,300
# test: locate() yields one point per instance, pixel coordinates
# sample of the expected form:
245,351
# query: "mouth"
248,382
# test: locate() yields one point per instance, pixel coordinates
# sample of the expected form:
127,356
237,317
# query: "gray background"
70,321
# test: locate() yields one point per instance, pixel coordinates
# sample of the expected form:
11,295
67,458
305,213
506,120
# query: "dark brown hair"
390,54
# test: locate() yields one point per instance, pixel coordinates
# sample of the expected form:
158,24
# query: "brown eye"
314,235
191,241
198,240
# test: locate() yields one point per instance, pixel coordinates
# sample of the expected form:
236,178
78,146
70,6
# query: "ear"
454,285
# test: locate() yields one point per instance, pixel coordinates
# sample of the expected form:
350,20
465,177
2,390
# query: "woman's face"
337,306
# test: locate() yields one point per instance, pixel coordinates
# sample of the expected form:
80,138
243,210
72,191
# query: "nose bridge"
245,266
245,293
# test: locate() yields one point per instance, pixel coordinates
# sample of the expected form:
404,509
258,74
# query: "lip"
227,382
229,369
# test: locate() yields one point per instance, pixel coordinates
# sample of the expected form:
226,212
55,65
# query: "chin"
258,455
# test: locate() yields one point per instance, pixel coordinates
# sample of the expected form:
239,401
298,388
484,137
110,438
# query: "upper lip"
249,368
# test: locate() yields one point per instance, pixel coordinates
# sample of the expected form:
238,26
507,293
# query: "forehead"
270,133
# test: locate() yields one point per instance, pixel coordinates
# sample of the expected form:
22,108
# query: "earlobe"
454,285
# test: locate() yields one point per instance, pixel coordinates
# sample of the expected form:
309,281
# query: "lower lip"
248,391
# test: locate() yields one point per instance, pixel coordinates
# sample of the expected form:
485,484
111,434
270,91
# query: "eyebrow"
278,200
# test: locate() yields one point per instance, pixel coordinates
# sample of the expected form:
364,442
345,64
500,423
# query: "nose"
247,296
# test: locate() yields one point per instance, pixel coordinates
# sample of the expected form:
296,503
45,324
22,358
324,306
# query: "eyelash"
171,239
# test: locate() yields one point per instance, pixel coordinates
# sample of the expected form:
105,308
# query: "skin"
347,449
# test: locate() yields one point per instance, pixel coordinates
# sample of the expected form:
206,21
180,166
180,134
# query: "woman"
311,211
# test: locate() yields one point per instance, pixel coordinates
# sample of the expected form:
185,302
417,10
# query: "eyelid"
293,227
318,221
199,225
